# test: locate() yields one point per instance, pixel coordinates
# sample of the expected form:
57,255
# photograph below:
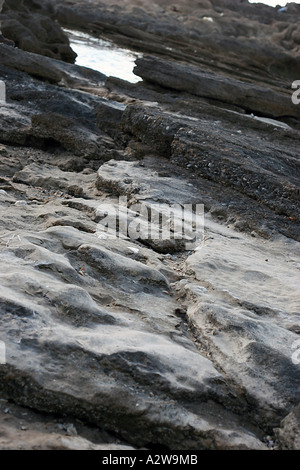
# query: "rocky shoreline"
138,342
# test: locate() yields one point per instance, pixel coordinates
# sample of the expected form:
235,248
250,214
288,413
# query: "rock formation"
23,23
116,336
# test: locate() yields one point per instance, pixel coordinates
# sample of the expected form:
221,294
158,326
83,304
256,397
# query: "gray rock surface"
193,80
119,333
288,433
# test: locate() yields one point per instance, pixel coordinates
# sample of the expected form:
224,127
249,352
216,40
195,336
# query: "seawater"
103,56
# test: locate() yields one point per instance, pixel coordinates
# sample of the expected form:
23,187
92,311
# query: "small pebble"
20,203
71,430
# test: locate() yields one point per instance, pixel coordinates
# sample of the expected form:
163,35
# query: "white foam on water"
103,56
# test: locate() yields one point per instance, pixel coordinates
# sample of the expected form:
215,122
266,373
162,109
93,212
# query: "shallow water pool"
103,56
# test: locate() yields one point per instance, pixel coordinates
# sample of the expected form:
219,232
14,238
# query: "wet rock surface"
145,340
